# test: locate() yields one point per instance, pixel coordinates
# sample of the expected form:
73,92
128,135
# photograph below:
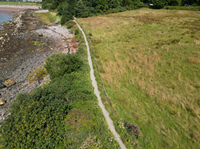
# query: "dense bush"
182,8
157,4
70,24
54,5
36,119
61,8
46,5
59,64
76,31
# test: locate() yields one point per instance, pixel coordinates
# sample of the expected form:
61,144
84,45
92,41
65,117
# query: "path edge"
97,93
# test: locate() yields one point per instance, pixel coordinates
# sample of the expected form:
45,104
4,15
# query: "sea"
4,18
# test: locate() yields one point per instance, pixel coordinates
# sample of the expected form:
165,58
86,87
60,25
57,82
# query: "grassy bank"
61,114
149,62
47,17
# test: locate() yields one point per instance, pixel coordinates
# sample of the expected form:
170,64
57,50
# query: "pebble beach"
19,56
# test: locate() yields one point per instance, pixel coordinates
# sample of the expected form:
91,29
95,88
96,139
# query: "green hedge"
197,8
59,64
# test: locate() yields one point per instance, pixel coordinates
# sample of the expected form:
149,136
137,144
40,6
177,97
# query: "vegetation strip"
97,93
56,114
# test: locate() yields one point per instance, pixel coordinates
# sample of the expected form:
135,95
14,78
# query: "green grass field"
149,61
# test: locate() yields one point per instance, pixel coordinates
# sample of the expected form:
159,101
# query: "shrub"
76,31
46,5
182,8
59,64
66,18
61,7
157,4
36,119
63,20
54,5
70,24
90,34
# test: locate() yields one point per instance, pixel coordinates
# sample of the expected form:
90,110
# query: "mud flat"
23,48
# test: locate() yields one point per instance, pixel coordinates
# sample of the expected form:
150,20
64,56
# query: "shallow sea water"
5,18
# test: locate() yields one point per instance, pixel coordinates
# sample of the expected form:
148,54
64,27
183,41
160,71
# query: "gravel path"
97,93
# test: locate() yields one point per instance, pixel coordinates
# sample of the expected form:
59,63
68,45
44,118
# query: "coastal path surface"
97,93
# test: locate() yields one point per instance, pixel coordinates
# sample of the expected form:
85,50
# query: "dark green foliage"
64,19
67,13
70,24
90,34
76,31
126,2
182,8
59,64
54,5
36,119
46,5
85,8
81,10
157,4
173,3
61,8
113,3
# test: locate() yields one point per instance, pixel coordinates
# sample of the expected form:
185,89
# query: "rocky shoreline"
25,45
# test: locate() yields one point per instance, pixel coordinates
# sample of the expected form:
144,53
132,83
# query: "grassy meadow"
149,61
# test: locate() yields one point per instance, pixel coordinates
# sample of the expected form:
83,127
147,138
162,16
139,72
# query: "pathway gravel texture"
97,93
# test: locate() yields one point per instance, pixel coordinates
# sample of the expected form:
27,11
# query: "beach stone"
40,34
9,83
2,102
1,85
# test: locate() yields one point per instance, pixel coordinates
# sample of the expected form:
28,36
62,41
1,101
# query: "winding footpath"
97,93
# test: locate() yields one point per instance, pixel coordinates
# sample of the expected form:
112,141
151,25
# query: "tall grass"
149,62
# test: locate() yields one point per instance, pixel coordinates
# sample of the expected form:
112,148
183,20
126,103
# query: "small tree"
113,3
59,64
157,4
81,10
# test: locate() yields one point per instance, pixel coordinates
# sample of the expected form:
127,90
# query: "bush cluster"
182,8
59,64
37,118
